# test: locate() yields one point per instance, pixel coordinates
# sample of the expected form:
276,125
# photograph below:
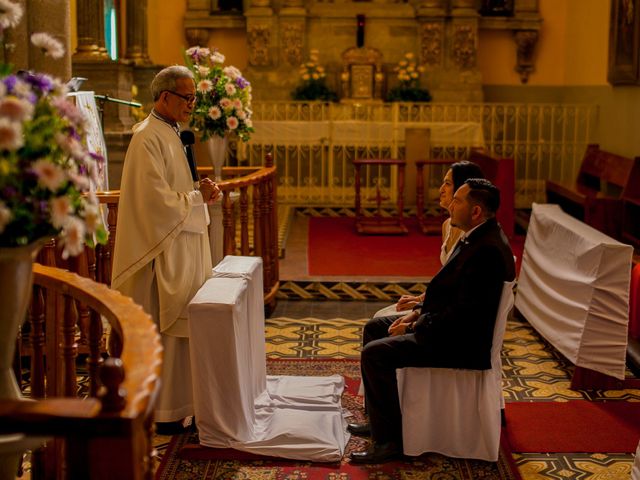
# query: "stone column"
136,49
18,35
463,77
52,17
90,23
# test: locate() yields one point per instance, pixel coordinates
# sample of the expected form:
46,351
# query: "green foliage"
314,90
408,94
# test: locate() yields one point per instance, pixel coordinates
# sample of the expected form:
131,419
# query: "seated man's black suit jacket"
459,312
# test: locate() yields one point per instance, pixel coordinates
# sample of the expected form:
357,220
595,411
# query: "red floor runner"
336,249
573,427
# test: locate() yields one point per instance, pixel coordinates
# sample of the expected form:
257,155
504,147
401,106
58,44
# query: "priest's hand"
210,191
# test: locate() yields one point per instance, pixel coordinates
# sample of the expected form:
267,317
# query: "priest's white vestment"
162,254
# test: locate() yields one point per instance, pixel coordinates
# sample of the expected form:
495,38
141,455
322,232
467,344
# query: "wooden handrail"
141,346
110,434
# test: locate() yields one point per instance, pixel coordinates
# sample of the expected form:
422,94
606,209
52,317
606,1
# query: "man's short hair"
166,79
484,193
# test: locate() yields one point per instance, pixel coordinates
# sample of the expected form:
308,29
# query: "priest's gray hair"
166,79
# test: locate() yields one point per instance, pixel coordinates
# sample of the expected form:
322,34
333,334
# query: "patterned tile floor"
533,372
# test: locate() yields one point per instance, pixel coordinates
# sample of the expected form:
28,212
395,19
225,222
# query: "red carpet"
336,249
184,458
573,427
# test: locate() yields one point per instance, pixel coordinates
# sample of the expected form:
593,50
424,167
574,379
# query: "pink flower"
230,89
237,104
205,86
215,113
232,123
15,109
49,174
60,209
225,103
73,237
10,135
5,216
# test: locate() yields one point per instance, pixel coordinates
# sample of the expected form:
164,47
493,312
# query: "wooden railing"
104,430
257,208
255,212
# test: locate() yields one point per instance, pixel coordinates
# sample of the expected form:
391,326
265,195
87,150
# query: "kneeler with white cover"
236,404
456,412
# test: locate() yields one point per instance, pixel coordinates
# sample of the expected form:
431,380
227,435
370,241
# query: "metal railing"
314,143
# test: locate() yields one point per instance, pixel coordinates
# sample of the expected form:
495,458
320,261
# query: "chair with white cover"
456,412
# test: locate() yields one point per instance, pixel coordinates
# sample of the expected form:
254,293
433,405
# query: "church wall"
571,67
570,61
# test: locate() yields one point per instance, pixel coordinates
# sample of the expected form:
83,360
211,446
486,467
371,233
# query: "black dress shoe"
377,453
185,425
360,429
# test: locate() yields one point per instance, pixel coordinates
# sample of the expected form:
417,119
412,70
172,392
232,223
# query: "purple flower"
9,192
40,81
10,82
241,82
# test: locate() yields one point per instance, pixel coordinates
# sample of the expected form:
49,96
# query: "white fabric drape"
236,404
574,289
352,132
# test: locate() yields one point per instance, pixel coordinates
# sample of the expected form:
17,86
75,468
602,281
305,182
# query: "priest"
162,254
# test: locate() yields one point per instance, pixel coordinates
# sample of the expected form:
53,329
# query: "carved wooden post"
257,221
244,220
113,397
228,224
36,317
95,358
266,218
69,346
419,190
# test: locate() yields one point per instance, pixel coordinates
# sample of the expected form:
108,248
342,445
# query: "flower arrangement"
45,169
408,75
223,96
312,76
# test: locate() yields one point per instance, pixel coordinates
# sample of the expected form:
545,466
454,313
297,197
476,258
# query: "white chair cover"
452,411
635,470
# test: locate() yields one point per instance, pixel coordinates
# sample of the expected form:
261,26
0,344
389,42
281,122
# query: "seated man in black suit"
453,328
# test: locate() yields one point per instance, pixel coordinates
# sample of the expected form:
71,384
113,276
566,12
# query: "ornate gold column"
90,24
136,49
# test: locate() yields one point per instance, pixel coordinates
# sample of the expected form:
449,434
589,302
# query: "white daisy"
10,14
49,45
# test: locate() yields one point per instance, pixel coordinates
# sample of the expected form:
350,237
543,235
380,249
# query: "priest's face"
178,104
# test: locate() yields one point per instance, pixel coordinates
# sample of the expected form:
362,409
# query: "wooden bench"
596,196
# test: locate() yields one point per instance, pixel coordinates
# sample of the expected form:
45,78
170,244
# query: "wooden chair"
378,224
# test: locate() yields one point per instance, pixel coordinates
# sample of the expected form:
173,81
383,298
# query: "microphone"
188,139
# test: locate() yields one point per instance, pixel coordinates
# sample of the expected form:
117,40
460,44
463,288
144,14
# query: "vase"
16,279
217,148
